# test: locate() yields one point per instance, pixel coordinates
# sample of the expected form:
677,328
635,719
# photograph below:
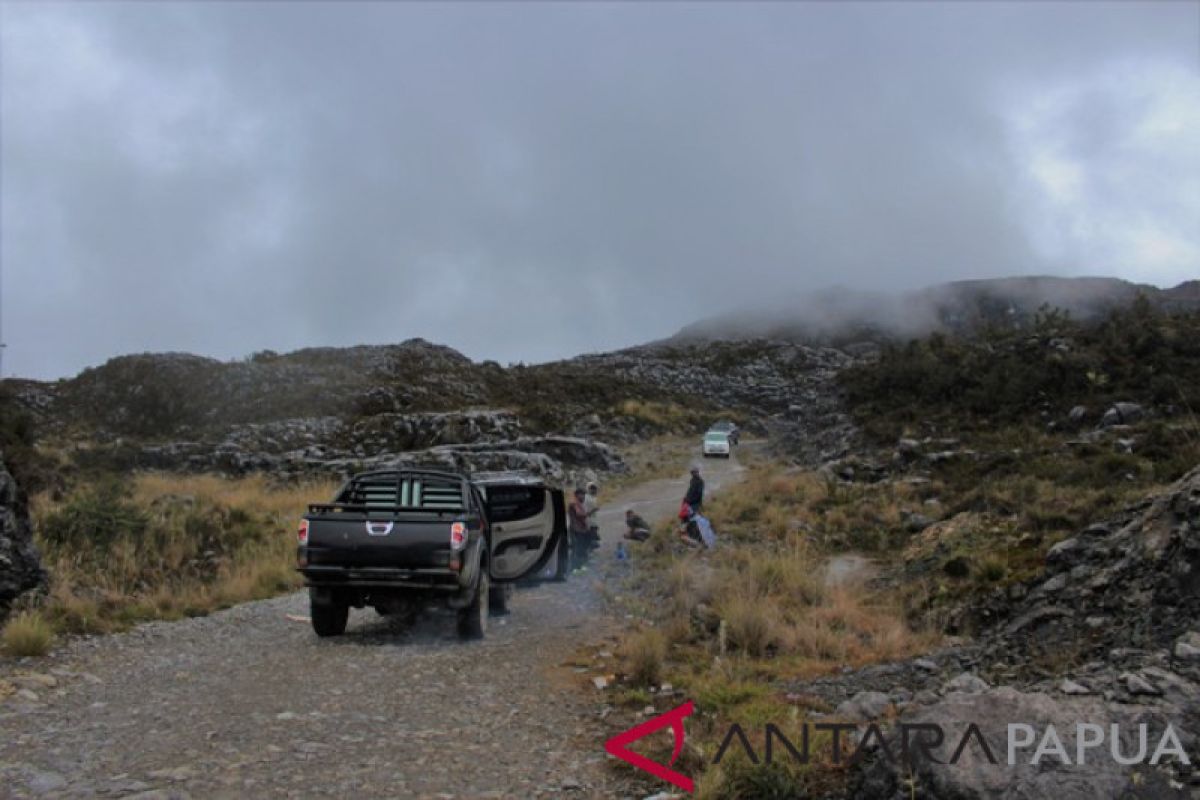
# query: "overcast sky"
525,182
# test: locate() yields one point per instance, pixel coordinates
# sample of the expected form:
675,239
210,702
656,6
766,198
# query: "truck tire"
329,616
498,598
472,620
564,560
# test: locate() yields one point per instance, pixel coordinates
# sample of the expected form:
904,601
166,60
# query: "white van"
716,443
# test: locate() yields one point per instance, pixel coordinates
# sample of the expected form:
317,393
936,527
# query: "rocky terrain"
339,411
1108,634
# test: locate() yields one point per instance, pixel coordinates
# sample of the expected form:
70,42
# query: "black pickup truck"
394,539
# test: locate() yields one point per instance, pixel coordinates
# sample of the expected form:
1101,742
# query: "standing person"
591,504
695,491
577,524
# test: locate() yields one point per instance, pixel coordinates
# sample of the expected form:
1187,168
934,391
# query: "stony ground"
248,702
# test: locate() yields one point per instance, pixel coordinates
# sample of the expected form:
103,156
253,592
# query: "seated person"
636,528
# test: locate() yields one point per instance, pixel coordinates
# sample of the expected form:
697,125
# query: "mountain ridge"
838,315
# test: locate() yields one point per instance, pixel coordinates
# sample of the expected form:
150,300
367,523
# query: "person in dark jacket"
636,528
695,491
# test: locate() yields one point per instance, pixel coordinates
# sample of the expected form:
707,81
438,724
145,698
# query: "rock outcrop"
1108,634
1132,582
557,458
20,565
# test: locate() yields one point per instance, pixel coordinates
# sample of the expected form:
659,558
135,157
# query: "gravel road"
249,703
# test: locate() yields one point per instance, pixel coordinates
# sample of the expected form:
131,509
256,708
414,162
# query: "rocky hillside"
336,411
1107,634
336,408
841,316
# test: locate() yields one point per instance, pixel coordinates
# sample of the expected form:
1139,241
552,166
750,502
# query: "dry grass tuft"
27,634
645,653
751,623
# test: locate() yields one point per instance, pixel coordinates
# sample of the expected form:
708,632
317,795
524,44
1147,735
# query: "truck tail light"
458,536
302,532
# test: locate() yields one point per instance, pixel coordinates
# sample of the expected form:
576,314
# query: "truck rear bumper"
381,577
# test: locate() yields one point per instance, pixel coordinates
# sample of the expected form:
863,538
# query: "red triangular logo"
619,745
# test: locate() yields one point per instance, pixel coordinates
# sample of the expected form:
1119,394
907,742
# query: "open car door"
529,531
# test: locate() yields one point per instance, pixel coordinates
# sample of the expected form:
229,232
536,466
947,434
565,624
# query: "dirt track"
248,702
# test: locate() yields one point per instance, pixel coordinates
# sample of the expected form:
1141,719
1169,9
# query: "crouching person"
636,528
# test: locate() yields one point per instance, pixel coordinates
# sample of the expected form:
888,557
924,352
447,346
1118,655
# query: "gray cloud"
533,181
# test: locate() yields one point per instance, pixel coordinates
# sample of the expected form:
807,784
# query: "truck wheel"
472,620
329,616
498,598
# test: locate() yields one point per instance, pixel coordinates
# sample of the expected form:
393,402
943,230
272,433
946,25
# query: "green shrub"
94,518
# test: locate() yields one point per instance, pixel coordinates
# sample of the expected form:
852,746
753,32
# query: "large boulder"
20,566
980,773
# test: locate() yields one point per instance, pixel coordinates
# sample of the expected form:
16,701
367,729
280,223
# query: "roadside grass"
162,546
663,415
739,623
657,458
27,633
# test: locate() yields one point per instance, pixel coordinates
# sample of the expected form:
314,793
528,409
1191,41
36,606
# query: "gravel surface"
249,703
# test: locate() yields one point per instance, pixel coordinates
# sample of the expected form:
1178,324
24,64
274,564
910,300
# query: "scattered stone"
175,774
864,706
1056,584
915,523
1069,686
34,680
1122,414
1187,646
968,683
1136,684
